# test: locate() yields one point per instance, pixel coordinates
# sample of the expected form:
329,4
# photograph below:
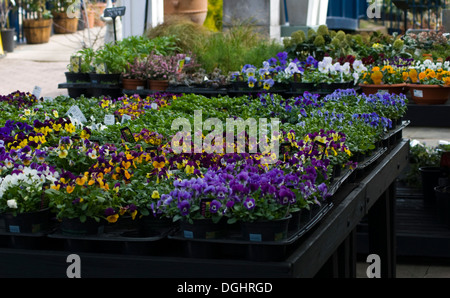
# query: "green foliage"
115,57
421,155
227,50
214,17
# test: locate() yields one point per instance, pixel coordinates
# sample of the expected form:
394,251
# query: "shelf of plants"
74,158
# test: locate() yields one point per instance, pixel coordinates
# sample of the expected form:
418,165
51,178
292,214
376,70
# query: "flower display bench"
429,115
327,248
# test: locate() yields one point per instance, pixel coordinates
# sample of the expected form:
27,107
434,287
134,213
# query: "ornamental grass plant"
228,50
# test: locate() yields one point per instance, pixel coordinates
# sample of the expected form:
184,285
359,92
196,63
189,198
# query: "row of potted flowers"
87,170
428,82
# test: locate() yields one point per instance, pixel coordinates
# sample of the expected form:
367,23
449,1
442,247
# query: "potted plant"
79,66
198,212
135,77
160,68
329,76
429,82
384,79
8,33
77,75
65,20
23,204
109,62
83,208
38,22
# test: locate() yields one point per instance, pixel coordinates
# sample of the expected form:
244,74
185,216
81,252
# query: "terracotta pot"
133,84
99,8
158,85
428,56
385,88
429,94
37,30
90,18
195,10
62,24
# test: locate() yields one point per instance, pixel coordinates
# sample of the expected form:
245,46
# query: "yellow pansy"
113,218
70,188
155,194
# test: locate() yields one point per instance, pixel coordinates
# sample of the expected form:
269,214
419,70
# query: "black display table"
328,249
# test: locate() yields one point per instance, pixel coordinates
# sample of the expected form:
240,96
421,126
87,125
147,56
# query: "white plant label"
37,91
76,113
418,93
110,120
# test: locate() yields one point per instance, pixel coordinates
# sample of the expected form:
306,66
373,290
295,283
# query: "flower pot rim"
27,213
425,86
383,85
289,216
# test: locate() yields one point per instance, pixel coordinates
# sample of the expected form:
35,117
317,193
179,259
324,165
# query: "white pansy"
12,204
328,60
346,68
291,69
337,67
358,66
323,67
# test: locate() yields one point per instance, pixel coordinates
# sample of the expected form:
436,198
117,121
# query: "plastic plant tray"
234,246
122,241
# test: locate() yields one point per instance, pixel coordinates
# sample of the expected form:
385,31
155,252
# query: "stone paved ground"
43,65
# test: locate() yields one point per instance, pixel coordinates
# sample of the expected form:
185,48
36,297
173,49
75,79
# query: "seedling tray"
120,241
233,246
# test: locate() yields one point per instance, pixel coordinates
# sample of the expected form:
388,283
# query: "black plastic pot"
430,179
150,225
302,87
31,222
8,41
77,77
105,79
74,227
443,204
295,223
273,230
203,229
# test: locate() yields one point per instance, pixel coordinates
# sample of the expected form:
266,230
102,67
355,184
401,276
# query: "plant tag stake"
127,135
110,119
125,119
76,113
37,91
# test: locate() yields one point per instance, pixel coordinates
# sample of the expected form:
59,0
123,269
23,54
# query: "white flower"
291,69
93,154
12,204
332,69
337,67
323,67
356,77
358,66
427,63
154,106
346,68
328,60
